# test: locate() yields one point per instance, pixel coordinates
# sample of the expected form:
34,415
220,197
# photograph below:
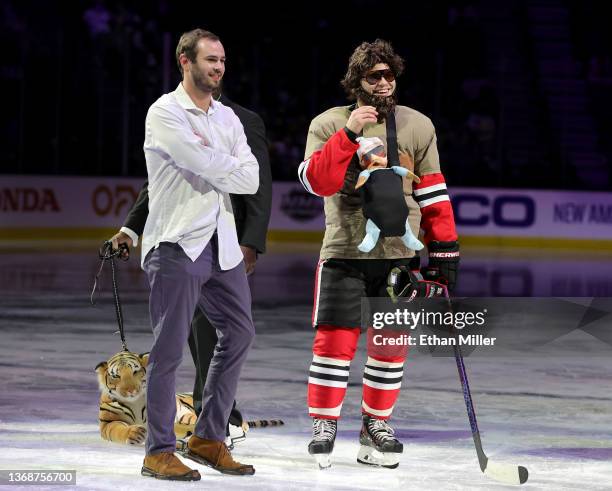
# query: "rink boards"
42,207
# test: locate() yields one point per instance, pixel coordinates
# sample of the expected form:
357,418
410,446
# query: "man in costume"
345,274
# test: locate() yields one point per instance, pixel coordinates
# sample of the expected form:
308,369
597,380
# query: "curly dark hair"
365,56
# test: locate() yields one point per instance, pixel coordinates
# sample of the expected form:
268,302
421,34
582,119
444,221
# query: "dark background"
520,92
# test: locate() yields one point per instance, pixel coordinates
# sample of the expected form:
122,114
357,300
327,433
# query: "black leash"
106,253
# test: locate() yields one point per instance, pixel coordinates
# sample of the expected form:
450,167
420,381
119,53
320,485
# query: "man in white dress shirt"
196,153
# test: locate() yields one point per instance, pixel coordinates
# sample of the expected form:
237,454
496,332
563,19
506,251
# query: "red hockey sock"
333,349
382,376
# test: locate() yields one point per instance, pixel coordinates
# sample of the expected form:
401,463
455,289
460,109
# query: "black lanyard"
392,151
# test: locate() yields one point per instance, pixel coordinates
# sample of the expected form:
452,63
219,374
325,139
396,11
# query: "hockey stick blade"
506,473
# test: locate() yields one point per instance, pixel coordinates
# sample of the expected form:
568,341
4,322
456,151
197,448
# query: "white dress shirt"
194,159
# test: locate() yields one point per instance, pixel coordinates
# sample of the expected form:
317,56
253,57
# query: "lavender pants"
177,286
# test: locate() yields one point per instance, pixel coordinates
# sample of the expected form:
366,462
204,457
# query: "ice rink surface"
549,410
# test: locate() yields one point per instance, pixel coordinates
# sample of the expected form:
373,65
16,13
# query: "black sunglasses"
374,77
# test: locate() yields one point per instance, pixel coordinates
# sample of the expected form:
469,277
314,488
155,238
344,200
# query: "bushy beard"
385,105
200,81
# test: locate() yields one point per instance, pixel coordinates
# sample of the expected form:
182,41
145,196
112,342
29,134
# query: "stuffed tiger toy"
123,408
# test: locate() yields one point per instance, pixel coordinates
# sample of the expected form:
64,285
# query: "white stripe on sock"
385,364
326,411
378,385
329,371
381,374
376,412
327,383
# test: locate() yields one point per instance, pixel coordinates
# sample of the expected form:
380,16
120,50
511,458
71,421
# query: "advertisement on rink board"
47,202
42,202
479,212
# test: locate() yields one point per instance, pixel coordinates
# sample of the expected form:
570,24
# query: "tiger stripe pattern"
123,412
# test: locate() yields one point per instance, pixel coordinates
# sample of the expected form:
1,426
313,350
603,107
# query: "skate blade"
323,460
370,456
236,436
244,470
192,475
181,446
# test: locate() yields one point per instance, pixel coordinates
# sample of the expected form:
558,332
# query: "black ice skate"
378,445
323,438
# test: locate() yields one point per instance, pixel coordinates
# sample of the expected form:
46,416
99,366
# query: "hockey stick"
506,473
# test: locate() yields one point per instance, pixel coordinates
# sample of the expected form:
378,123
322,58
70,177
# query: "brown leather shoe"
166,465
216,455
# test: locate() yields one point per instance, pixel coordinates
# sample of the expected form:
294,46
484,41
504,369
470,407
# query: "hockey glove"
443,263
402,282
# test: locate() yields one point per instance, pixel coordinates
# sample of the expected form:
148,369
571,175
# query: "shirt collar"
185,101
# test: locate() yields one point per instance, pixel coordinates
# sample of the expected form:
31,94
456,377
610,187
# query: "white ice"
550,410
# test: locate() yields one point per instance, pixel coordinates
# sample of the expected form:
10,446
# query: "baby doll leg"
401,171
372,234
410,240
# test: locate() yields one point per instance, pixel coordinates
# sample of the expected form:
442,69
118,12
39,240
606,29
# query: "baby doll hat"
367,145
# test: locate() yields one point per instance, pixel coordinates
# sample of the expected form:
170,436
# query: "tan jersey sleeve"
318,134
426,158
